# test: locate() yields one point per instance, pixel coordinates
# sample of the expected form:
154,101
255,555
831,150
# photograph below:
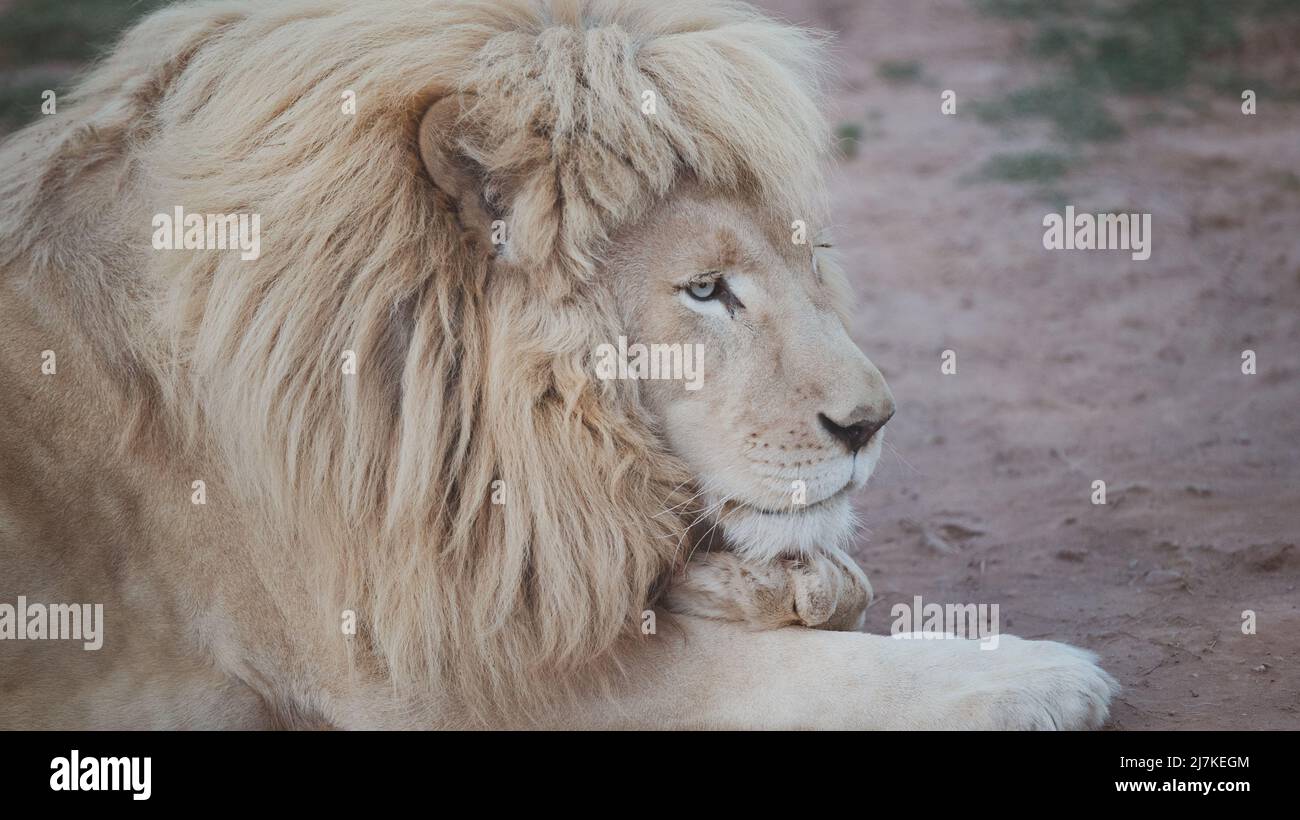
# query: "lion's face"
782,419
782,423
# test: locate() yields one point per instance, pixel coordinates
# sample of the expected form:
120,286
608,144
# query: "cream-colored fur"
332,494
824,589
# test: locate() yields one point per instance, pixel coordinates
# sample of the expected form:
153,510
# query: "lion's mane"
379,485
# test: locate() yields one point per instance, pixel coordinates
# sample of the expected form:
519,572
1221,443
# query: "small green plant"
900,71
848,138
1076,112
1039,167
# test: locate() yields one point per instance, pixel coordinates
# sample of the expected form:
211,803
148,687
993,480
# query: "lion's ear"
452,171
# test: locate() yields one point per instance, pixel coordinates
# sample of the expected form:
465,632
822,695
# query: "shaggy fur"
374,489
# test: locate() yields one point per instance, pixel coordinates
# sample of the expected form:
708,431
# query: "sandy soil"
1078,366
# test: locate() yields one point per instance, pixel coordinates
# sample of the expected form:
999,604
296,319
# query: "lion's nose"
856,430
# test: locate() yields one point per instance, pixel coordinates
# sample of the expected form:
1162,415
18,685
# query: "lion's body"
332,496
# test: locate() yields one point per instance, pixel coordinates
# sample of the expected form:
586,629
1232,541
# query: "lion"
367,477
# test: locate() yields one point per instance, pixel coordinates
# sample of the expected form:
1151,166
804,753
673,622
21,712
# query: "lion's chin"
763,535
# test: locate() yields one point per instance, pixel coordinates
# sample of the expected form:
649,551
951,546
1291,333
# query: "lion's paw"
1028,685
823,591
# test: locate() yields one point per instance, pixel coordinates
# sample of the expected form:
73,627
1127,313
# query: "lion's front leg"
709,673
825,590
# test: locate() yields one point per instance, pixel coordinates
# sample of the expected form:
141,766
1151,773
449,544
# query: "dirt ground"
1074,366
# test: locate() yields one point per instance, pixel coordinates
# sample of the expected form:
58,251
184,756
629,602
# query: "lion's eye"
711,296
704,291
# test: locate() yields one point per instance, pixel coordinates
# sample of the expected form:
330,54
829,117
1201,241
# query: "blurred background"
1072,367
44,43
